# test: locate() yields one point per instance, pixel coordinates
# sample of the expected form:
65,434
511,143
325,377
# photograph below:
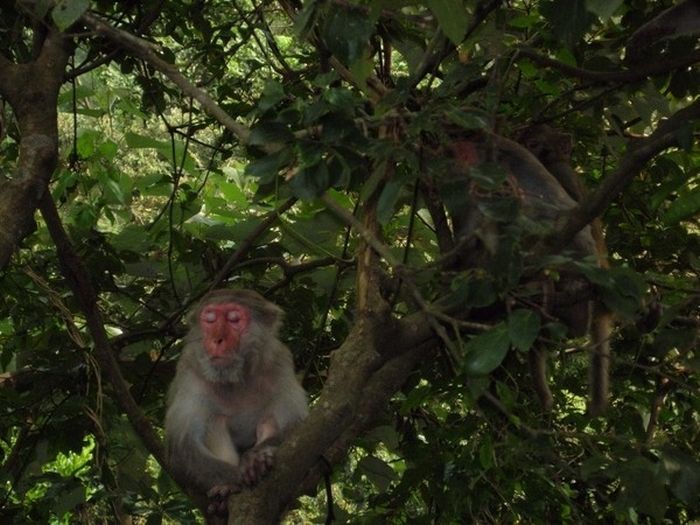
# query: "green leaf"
311,182
471,291
387,200
268,133
66,12
570,19
86,143
466,119
488,175
111,189
361,70
347,34
377,471
452,18
132,238
684,471
523,22
108,149
134,140
306,19
40,8
267,168
486,453
685,206
604,9
499,209
69,499
485,352
149,270
642,489
272,94
523,328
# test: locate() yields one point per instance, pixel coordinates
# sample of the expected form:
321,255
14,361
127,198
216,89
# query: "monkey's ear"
565,143
271,315
191,316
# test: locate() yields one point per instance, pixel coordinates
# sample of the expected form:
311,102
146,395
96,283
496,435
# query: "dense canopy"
364,165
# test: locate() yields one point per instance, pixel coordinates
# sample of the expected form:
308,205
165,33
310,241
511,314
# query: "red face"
222,326
465,152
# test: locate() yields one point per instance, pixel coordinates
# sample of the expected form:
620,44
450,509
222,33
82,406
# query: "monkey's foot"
218,498
256,463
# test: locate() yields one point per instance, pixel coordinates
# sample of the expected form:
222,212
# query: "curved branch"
652,68
76,275
362,377
146,51
639,153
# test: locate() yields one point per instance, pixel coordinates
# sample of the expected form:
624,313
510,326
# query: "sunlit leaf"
687,205
387,200
603,8
66,12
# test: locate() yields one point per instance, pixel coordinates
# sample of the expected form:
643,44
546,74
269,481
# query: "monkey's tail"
600,363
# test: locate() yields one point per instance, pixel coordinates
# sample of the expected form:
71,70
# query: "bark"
31,89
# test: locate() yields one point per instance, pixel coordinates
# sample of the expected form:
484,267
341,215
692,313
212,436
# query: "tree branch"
146,51
639,153
32,91
365,371
440,46
76,275
652,68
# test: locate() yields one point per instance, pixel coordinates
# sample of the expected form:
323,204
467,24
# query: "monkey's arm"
287,407
191,433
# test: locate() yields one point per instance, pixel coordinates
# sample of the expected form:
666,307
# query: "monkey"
543,198
553,149
678,20
233,397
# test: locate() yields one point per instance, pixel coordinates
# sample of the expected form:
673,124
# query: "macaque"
678,20
545,193
233,397
553,148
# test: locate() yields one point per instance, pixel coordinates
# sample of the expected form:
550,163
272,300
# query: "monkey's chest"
239,417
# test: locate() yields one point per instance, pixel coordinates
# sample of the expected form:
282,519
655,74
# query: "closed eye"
209,317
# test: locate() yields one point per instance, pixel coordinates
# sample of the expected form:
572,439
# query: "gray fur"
205,401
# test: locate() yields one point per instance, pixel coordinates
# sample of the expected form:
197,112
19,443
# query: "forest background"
151,151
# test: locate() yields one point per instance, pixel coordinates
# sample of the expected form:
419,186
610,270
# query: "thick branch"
32,92
365,371
376,396
76,275
652,68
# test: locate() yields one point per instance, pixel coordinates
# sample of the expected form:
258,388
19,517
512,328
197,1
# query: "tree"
308,152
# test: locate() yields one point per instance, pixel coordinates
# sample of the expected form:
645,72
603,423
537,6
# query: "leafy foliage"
357,103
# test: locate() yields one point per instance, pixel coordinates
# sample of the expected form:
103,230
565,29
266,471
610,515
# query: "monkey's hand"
218,498
256,462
